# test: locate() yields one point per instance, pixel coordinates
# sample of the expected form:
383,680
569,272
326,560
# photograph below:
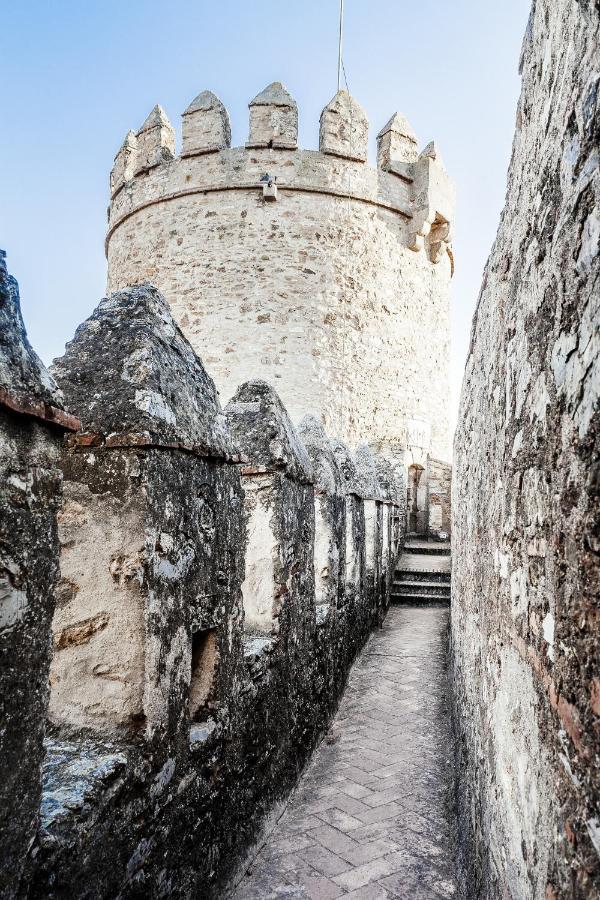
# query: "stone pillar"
151,531
32,423
279,589
329,554
375,506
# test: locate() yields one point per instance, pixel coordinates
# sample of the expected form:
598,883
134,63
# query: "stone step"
430,549
402,575
423,597
437,588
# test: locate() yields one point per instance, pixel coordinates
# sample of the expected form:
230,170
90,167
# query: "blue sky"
76,76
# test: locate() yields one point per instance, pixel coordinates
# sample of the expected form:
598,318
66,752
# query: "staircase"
423,572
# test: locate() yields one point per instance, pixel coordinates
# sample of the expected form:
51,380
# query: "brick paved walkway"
373,816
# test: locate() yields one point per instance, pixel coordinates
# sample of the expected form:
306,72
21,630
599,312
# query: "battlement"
147,169
314,270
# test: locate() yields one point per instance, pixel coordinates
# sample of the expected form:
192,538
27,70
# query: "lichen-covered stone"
151,526
141,382
31,410
525,579
367,480
325,466
263,431
347,466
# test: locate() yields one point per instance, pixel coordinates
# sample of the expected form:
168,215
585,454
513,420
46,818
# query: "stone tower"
312,270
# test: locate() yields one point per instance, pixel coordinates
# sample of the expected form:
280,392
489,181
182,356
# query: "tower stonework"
312,270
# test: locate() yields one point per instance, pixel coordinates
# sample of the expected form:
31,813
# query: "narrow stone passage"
373,817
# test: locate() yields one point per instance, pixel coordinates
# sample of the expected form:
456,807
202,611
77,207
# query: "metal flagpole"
340,44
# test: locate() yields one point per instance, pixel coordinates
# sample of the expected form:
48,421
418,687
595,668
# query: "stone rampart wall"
220,570
526,576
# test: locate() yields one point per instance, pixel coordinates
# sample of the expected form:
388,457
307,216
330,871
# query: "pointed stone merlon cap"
205,126
433,201
156,141
396,143
344,128
273,119
326,469
263,431
132,377
125,162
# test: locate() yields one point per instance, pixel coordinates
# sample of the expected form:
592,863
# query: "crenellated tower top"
415,184
323,274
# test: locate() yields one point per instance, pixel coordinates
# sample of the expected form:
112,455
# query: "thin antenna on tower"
340,44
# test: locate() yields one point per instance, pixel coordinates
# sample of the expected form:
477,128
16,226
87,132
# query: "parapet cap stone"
205,101
129,142
431,151
262,429
399,125
130,372
156,118
275,94
390,480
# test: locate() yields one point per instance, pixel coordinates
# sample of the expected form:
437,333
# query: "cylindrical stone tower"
312,270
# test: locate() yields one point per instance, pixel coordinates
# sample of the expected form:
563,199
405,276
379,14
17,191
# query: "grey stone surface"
273,119
132,376
263,431
525,506
373,815
344,128
367,480
347,466
74,774
205,125
22,373
31,410
325,465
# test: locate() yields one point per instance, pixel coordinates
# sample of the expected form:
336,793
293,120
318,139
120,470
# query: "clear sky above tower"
76,76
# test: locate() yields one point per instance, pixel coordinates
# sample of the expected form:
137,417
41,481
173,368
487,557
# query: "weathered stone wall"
194,670
32,420
330,280
525,582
